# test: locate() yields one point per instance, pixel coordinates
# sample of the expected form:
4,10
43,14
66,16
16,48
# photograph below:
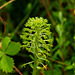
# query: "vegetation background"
61,16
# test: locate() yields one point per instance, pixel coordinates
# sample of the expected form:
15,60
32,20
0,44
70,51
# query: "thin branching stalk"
17,70
4,25
6,4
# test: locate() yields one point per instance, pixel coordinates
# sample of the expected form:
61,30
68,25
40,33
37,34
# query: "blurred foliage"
61,16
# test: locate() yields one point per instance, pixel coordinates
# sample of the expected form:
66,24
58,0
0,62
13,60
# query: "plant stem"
59,62
4,25
17,70
6,4
35,52
35,64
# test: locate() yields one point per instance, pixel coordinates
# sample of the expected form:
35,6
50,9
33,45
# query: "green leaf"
3,73
0,64
58,52
5,43
66,44
13,48
1,53
69,67
7,64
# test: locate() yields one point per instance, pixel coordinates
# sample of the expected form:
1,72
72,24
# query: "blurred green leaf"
5,43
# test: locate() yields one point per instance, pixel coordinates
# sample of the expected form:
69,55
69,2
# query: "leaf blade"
13,48
7,64
1,53
5,43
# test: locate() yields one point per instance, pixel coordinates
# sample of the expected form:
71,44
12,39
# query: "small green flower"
37,39
37,36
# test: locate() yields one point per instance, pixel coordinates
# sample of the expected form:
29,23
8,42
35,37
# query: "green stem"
35,64
35,60
35,52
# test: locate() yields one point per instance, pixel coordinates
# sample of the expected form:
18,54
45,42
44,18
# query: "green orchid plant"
37,39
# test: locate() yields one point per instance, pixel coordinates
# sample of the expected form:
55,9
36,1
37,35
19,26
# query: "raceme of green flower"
8,48
37,37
